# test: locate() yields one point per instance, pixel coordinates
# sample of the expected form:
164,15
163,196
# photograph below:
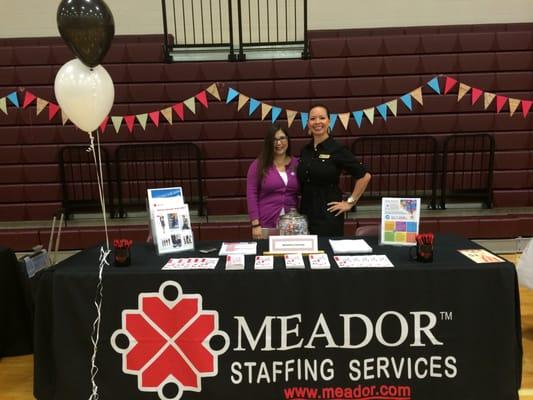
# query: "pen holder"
122,253
422,253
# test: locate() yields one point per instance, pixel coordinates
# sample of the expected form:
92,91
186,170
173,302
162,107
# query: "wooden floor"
16,373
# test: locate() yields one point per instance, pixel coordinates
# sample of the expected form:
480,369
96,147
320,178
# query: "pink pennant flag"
104,124
202,98
476,94
178,109
500,102
526,105
154,116
130,120
450,83
52,110
29,97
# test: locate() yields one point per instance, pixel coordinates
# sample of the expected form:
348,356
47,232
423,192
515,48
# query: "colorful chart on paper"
400,220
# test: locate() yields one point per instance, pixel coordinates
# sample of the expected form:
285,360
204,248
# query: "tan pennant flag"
345,119
242,101
64,118
41,104
513,105
142,118
265,109
117,121
369,112
213,91
191,105
3,105
167,113
393,107
417,95
488,99
291,114
463,89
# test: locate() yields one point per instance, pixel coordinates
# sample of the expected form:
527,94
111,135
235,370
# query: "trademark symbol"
446,315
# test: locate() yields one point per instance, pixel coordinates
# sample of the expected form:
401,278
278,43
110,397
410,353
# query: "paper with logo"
481,256
294,261
350,246
319,261
235,262
370,261
191,263
246,248
400,220
264,262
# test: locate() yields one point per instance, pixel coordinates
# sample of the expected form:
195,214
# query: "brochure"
400,220
481,256
350,246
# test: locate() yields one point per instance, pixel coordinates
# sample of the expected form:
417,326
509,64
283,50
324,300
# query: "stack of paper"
235,262
319,261
370,261
191,263
264,262
350,246
294,260
245,248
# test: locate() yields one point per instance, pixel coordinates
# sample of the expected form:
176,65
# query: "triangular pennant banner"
358,116
167,113
406,99
3,105
202,98
117,121
213,91
369,112
104,124
526,106
28,98
332,121
476,94
304,117
52,110
242,101
449,84
345,119
41,104
434,84
154,116
12,97
488,99
463,89
513,105
191,104
253,106
417,95
64,118
500,102
142,118
276,111
291,114
178,109
130,120
393,107
382,109
265,109
232,93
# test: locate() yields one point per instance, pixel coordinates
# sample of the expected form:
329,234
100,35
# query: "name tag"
324,156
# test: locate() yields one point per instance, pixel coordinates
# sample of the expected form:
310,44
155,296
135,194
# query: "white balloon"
84,94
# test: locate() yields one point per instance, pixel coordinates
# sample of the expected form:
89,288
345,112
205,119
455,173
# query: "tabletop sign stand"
170,222
400,220
291,244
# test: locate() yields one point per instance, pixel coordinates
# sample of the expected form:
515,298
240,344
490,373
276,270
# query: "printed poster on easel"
400,220
170,221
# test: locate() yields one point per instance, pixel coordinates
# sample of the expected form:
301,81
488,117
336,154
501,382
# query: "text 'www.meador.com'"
359,392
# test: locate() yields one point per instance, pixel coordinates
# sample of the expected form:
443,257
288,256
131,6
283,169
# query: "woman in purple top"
271,184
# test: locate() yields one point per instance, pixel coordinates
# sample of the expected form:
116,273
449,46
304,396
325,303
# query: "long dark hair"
321,106
266,157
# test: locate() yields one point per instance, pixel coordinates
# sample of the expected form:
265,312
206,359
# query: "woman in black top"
321,163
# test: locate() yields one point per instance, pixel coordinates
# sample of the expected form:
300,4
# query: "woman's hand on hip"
339,207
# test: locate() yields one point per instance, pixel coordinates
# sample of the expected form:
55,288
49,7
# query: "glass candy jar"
293,223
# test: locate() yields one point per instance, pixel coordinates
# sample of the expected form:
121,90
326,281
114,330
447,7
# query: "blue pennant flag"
358,116
12,97
382,109
434,84
332,120
406,98
253,105
232,93
276,111
305,118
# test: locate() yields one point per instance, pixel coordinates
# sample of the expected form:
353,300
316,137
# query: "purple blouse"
266,199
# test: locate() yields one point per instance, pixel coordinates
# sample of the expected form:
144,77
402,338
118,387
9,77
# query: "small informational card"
319,261
293,244
294,261
235,262
264,262
191,263
350,246
369,261
245,248
400,220
481,256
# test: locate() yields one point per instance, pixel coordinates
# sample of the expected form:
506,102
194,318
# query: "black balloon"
87,26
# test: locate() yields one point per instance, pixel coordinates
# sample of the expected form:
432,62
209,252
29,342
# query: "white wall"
27,18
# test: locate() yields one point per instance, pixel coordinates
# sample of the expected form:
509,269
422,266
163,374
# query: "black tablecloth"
449,329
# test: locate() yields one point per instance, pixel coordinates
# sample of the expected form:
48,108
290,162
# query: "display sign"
400,220
293,244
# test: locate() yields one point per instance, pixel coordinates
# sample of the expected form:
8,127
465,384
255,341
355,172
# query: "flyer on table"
400,220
